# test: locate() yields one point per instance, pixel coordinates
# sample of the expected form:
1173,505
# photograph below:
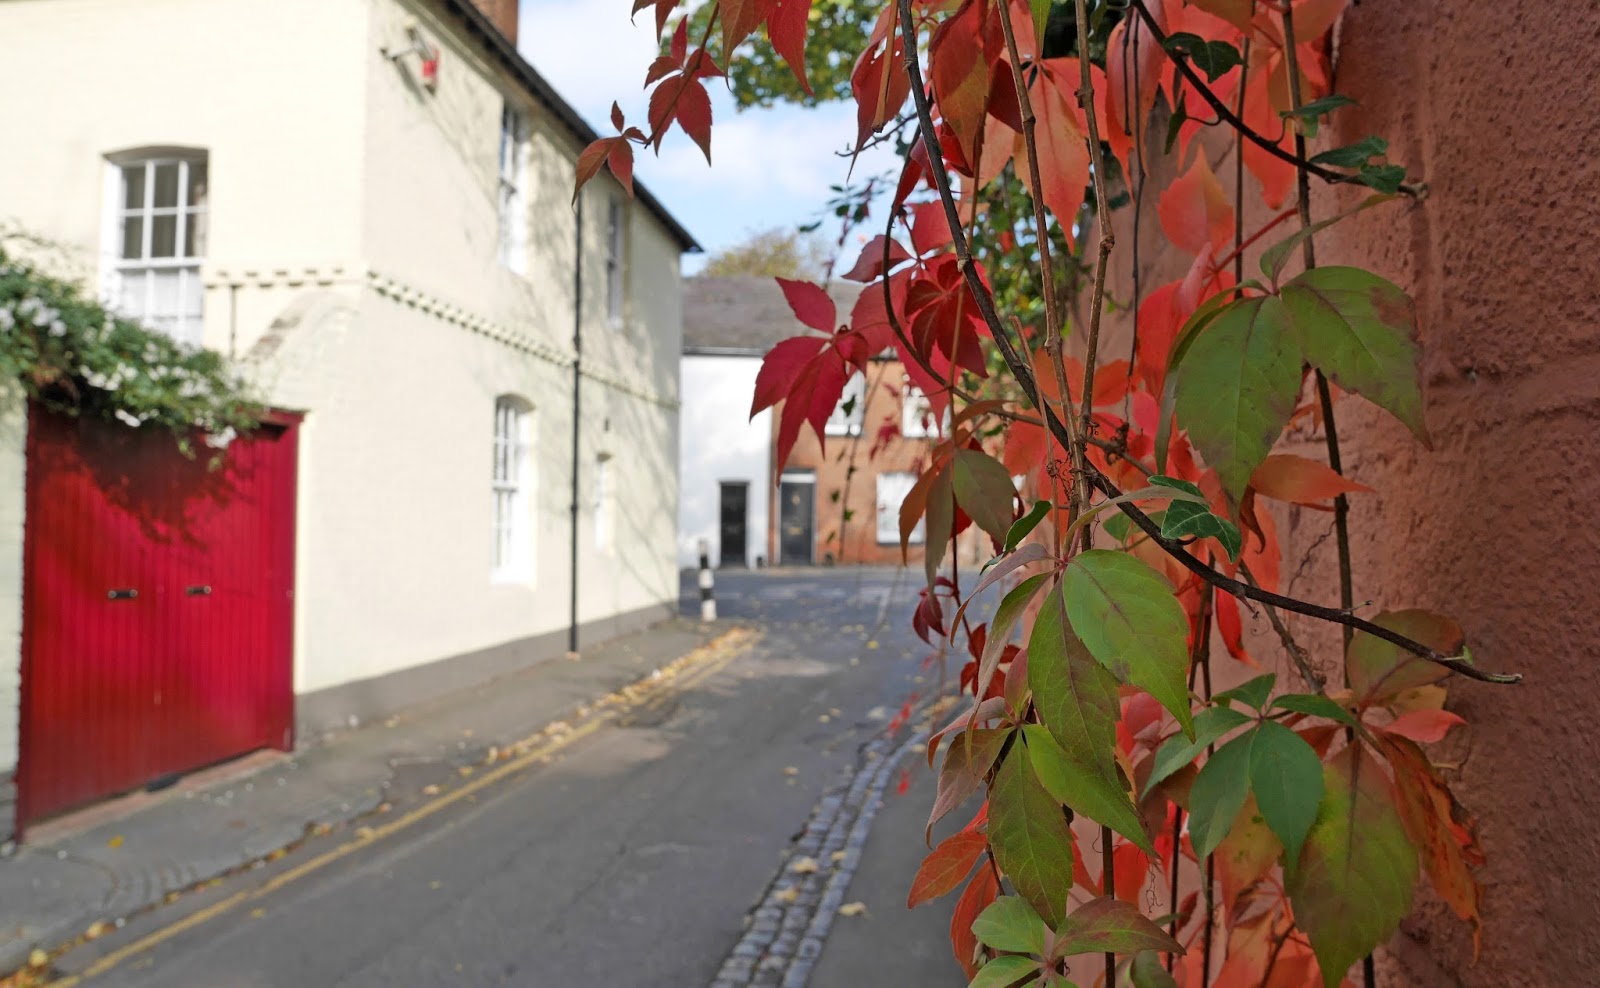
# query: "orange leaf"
786,29
1424,726
1133,76
1195,211
945,866
980,893
960,74
1439,827
1298,480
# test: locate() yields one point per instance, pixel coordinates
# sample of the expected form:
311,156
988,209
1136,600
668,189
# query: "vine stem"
1234,120
1330,429
1030,388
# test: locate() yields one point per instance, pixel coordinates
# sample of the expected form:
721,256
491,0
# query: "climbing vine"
70,354
1289,818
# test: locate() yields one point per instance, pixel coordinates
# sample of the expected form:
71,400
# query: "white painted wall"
721,442
352,267
12,437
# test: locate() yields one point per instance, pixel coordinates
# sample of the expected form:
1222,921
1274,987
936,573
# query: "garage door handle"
200,590
122,593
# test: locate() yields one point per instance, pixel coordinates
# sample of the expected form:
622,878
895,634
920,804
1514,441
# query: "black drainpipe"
577,380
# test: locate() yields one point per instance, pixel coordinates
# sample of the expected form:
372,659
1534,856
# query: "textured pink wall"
1497,107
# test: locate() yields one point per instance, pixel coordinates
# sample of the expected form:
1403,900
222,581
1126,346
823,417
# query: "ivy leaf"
1353,155
985,491
1189,487
1147,971
1315,705
1357,872
1109,925
1005,970
1126,614
1236,386
1177,751
1218,793
1030,838
1075,696
1011,924
1075,782
1185,519
1286,777
1378,669
1006,616
945,866
1310,113
1252,694
1214,58
1384,178
1361,331
1022,527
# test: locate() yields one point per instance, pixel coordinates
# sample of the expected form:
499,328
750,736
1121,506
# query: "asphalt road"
632,859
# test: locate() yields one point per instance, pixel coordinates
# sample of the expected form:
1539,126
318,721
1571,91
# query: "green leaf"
1147,971
1214,58
1010,924
1041,16
1378,669
1177,751
1316,705
1357,872
1006,616
1252,694
1004,971
1020,528
1078,783
1237,385
1109,925
1286,777
1030,838
1361,331
940,521
1384,178
985,491
1310,113
1126,614
1275,257
1219,792
1353,155
1161,480
1185,519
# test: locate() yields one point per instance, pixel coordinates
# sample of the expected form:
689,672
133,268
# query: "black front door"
796,515
734,515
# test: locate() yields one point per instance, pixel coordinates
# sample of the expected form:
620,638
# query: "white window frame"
892,488
511,490
130,283
841,423
616,248
513,190
604,504
916,415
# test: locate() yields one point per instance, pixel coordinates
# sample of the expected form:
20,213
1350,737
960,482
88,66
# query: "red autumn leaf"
1063,155
679,47
740,18
869,319
877,81
694,115
1159,323
930,228
596,155
1424,726
786,29
781,367
945,866
1134,63
1026,447
980,894
1132,867
959,73
1298,480
810,303
869,266
1441,830
810,401
1227,611
620,161
1194,210
663,10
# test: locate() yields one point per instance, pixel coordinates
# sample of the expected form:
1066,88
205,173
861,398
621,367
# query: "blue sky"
770,168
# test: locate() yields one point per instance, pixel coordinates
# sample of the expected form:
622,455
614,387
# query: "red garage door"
157,607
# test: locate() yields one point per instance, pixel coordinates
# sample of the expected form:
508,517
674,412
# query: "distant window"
513,190
614,257
603,522
851,410
892,491
916,415
159,226
511,487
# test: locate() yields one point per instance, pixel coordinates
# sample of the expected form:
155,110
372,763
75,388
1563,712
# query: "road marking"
681,674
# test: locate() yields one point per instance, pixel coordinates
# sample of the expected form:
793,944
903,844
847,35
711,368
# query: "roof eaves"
479,25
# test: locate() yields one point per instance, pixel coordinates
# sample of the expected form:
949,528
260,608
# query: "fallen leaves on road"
853,909
803,866
114,842
791,770
787,896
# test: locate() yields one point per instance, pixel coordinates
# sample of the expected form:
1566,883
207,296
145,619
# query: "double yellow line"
682,674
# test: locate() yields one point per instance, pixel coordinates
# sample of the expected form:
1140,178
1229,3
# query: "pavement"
750,816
